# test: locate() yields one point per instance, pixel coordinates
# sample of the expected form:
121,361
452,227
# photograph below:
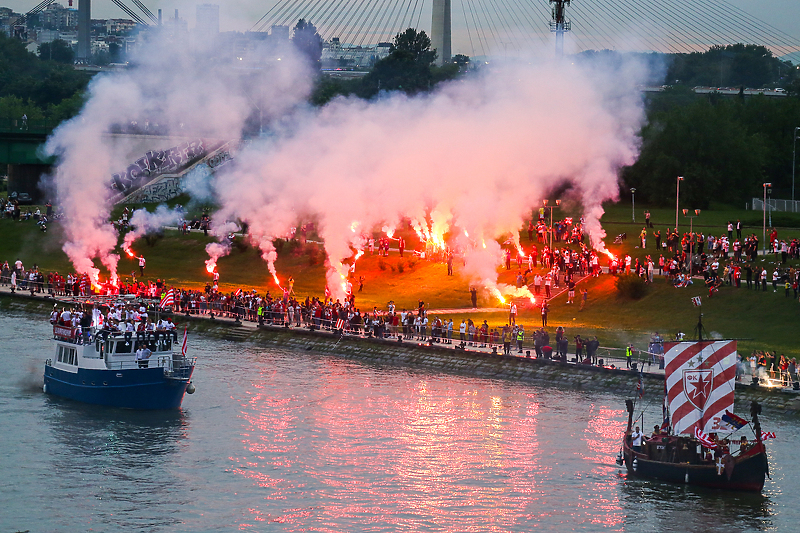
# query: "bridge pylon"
441,31
560,25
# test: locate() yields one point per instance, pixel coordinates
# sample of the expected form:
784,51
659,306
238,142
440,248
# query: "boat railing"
173,364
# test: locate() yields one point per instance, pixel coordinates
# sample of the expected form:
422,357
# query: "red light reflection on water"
413,452
603,436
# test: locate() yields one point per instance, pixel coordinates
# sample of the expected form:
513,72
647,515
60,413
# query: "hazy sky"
242,14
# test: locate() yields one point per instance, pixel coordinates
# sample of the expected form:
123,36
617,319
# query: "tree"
308,41
418,45
58,51
461,60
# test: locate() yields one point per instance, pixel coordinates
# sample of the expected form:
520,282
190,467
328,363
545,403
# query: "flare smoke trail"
470,159
188,92
143,221
476,155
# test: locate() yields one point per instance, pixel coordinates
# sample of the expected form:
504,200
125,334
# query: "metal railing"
19,125
775,204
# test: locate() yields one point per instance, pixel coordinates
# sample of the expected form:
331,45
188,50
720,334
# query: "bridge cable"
677,43
466,25
634,23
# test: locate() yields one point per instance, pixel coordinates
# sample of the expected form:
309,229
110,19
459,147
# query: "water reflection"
654,506
116,460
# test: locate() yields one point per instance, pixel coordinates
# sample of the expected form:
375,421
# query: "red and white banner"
767,435
63,332
700,379
185,341
169,299
704,439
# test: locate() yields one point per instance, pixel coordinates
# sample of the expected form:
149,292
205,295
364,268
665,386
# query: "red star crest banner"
700,384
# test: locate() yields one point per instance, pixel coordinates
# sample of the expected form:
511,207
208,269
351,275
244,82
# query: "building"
58,17
207,19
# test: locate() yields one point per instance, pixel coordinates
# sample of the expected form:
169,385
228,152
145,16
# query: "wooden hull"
745,473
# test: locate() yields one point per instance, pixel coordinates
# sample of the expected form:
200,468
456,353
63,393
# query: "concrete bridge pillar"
440,31
26,178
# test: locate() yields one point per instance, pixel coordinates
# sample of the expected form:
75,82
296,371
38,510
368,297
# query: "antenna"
559,25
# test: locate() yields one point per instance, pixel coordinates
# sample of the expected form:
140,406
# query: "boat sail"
695,447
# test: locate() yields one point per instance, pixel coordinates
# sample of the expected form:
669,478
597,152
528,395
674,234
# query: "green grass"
764,320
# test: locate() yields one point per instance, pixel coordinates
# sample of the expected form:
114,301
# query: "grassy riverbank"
764,319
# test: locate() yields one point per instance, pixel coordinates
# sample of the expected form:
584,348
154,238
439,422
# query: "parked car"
24,198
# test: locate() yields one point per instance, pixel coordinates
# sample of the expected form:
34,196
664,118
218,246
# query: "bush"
313,254
631,286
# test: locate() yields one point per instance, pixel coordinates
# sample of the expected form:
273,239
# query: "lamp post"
691,237
764,228
677,200
633,204
551,207
794,158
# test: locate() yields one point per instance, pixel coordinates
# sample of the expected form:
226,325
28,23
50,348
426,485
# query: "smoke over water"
470,160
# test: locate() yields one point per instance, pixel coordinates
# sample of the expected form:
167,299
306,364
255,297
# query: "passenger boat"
698,407
99,367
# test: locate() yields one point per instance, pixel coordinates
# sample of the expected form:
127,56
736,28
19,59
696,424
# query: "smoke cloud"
469,160
182,92
475,156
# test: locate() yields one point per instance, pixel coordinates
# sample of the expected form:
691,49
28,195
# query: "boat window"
123,347
67,355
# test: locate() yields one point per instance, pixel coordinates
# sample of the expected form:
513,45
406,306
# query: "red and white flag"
184,344
767,435
700,380
704,439
169,299
340,324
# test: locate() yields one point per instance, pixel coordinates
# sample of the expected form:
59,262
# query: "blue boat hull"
140,388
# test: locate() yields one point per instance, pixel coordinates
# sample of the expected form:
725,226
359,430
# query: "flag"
704,439
700,379
640,385
184,345
767,435
340,324
696,301
238,293
665,413
169,299
734,420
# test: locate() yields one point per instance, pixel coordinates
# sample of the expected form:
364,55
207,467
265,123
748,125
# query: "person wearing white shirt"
636,440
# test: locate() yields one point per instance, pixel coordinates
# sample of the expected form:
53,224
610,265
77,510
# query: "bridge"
499,28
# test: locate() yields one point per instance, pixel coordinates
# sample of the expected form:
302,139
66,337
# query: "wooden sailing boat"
699,396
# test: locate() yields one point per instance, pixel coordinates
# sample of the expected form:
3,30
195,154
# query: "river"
294,441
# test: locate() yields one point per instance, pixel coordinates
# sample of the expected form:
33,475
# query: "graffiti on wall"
157,162
160,191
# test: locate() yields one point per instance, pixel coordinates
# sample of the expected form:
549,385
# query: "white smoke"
476,155
143,222
183,91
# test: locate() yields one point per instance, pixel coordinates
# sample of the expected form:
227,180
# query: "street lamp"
764,229
677,199
633,204
691,237
794,158
551,207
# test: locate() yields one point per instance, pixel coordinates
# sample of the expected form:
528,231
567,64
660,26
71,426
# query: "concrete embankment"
415,354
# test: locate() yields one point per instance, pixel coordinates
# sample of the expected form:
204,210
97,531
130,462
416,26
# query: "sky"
240,15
